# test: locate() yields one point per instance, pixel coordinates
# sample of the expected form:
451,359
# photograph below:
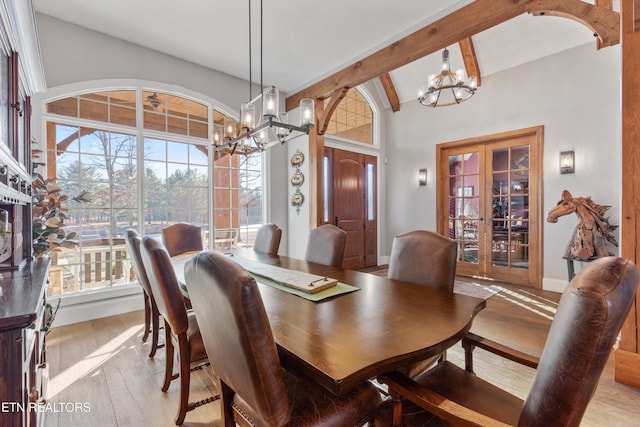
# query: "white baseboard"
383,260
556,285
83,307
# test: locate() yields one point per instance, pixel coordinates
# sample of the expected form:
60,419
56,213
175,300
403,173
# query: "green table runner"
340,288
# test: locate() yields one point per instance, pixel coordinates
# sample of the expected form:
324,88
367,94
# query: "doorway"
350,200
489,197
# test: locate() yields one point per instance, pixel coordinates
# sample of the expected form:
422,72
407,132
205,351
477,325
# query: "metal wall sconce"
567,162
422,177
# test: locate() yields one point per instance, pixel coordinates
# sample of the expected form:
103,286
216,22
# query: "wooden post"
316,157
627,357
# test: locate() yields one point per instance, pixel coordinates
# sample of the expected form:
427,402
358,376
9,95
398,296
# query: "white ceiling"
307,40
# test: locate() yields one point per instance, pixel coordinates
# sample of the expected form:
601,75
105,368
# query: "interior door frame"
535,270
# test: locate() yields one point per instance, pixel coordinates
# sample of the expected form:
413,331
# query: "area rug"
473,289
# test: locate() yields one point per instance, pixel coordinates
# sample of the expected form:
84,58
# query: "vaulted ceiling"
304,42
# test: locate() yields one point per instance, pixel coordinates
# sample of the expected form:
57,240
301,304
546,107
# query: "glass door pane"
510,207
464,205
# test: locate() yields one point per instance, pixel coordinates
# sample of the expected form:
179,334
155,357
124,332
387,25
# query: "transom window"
116,106
175,114
352,119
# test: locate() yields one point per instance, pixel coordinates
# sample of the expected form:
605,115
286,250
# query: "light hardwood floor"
103,364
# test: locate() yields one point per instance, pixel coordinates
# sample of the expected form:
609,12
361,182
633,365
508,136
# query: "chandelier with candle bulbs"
448,87
272,127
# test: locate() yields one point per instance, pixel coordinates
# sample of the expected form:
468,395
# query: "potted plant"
48,222
49,216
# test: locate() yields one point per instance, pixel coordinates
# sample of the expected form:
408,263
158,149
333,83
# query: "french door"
489,193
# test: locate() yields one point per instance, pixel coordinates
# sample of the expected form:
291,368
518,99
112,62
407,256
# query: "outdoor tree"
155,194
118,159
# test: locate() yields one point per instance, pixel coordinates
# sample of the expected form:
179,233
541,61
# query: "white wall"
75,54
574,94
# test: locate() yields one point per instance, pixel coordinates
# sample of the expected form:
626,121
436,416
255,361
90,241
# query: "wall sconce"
422,177
567,162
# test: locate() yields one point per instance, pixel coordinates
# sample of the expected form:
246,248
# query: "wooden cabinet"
21,75
23,367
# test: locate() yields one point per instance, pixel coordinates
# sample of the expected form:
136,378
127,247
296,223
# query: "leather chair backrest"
164,284
133,241
425,258
268,239
237,334
589,316
326,245
180,238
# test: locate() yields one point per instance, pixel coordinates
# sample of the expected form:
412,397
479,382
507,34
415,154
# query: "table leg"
468,356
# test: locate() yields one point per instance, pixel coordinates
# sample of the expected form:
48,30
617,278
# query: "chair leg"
155,328
226,397
185,377
168,366
397,408
147,316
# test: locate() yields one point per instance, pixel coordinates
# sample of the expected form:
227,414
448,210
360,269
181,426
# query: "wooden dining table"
344,340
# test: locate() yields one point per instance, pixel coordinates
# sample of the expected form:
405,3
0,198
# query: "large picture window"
144,176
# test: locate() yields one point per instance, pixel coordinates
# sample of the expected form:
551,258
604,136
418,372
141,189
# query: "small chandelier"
447,88
251,135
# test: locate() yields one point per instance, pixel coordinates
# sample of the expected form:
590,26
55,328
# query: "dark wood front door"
350,201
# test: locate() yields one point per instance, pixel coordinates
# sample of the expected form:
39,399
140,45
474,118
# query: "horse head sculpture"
593,232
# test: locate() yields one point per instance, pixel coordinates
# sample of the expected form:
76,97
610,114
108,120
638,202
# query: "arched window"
352,119
144,157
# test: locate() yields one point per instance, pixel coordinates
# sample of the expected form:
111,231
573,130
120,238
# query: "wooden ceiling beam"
459,25
470,59
390,90
327,111
604,22
607,4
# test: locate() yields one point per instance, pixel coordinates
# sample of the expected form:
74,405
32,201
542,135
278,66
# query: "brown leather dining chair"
151,314
181,327
180,238
255,389
589,316
424,258
326,245
268,239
